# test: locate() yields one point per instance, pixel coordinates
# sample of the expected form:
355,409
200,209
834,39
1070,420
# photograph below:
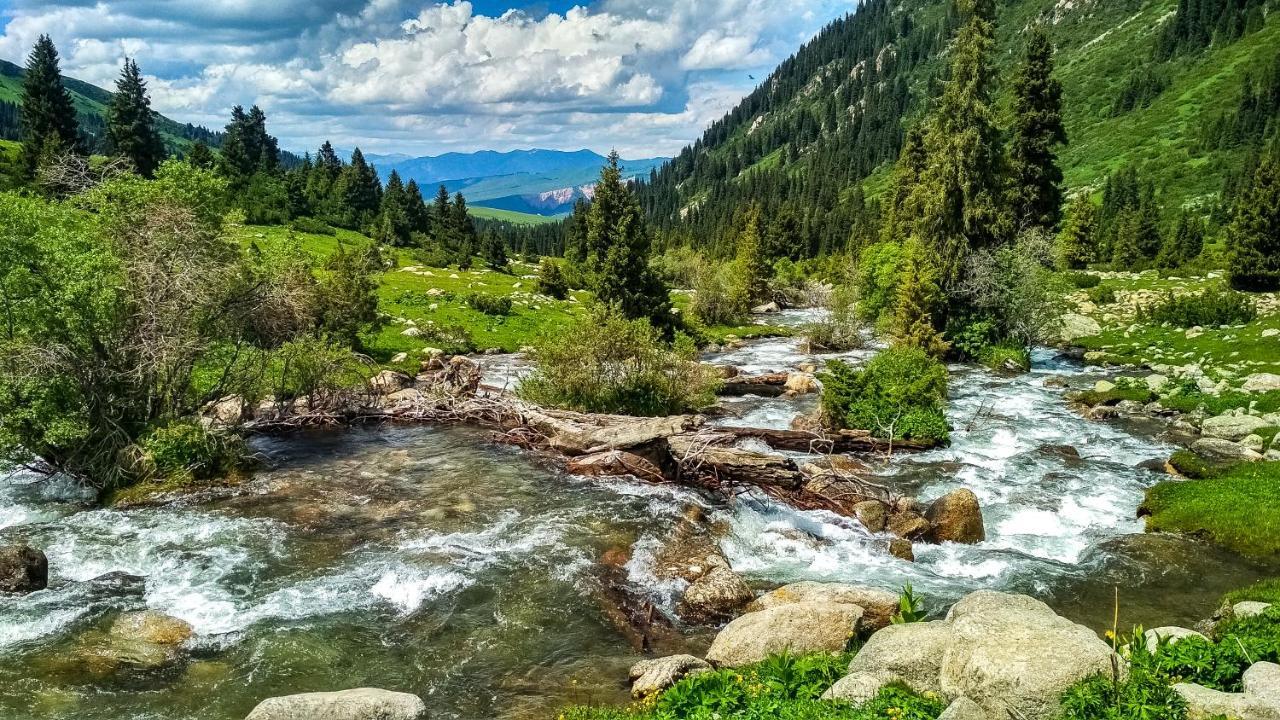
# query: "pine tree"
617,252
494,251
465,231
1126,249
1184,243
444,229
358,193
416,207
897,223
321,182
201,156
919,301
49,125
131,126
394,226
1035,180
1077,243
956,205
751,267
1253,237
238,159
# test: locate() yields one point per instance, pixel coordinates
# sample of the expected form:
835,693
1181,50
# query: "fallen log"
708,459
843,441
768,385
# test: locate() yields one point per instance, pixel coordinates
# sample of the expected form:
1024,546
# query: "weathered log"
843,441
616,462
708,459
768,385
581,434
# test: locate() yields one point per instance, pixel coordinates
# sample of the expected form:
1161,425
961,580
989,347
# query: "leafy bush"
312,226
1014,288
840,330
498,305
316,370
551,281
606,363
1208,309
1101,294
185,450
879,271
779,688
717,298
1083,280
900,394
1006,357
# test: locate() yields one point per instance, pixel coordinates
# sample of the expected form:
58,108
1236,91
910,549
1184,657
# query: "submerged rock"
658,674
956,517
909,524
143,641
797,628
718,594
23,569
358,704
901,548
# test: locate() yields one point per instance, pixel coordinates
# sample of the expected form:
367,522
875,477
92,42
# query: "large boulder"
1259,701
657,674
878,606
860,687
358,704
1015,657
1261,382
962,708
912,653
1075,326
1223,451
797,628
23,569
717,595
1232,427
956,517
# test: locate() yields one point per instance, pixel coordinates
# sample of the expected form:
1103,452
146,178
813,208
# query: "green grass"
1239,509
516,218
1267,591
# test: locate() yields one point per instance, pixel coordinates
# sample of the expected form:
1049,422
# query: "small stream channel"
428,560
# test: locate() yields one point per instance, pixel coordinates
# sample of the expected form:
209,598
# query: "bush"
879,271
185,450
1208,309
551,281
498,305
316,370
779,688
840,331
608,364
717,299
900,394
1101,294
312,226
1082,280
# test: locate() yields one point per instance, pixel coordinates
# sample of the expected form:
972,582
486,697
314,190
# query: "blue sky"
427,77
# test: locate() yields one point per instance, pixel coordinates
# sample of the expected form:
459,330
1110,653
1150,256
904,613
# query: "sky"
421,77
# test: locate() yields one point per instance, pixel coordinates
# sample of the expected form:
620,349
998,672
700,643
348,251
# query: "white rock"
878,606
1249,608
1232,427
1261,382
912,652
1075,326
1171,633
962,708
860,687
358,704
797,628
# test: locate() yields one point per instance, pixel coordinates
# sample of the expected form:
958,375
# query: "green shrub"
717,298
1083,280
779,688
1208,309
606,363
1006,357
551,281
879,271
1144,694
312,226
186,450
900,394
497,305
1101,294
1114,396
840,330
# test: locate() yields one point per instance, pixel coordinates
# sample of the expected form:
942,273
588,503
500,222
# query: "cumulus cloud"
415,76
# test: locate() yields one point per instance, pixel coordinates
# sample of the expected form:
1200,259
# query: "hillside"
91,104
831,118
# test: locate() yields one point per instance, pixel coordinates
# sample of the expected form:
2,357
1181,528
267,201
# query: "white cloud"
417,76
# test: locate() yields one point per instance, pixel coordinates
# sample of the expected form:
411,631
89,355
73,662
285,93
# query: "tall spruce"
358,193
956,205
1035,180
131,123
49,125
1077,243
617,246
1253,237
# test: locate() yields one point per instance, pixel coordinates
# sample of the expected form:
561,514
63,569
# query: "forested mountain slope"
1157,85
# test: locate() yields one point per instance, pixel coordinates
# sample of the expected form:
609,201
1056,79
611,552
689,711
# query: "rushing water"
429,560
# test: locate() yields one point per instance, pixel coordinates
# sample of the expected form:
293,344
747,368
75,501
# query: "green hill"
91,104
831,118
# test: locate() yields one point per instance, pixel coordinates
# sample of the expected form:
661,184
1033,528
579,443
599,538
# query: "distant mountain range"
540,182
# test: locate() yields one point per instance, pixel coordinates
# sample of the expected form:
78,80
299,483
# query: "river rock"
143,641
1014,656
1231,427
911,652
1259,701
23,569
860,687
878,606
1075,326
358,704
872,514
227,411
1249,608
962,708
1169,633
152,627
657,674
1261,382
799,383
956,517
1219,450
766,309
797,628
901,548
909,524
716,595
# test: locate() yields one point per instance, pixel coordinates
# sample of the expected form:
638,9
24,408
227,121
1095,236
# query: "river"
430,560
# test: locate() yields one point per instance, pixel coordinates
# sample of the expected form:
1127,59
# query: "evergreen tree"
465,230
617,252
1183,244
238,160
919,301
1077,242
897,223
751,267
494,251
201,156
358,193
394,226
49,125
1035,181
131,123
1253,237
321,182
416,208
956,205
444,229
1126,248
